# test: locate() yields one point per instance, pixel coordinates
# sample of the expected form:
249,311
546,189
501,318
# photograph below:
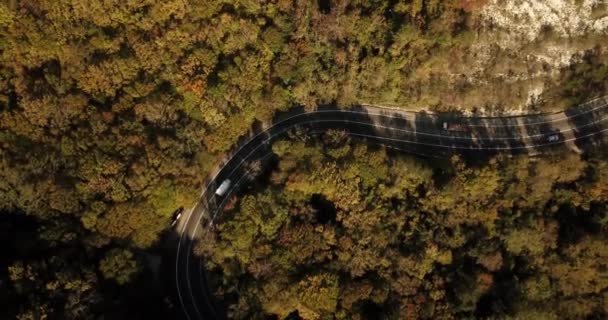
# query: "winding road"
578,128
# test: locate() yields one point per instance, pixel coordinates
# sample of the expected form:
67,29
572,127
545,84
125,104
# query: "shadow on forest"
54,255
424,134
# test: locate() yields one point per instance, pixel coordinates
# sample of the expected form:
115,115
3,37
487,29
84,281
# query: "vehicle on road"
176,215
454,127
223,188
553,138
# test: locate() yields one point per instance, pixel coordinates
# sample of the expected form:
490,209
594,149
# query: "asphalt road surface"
578,129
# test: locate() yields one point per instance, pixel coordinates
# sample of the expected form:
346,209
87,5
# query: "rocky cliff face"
526,20
522,46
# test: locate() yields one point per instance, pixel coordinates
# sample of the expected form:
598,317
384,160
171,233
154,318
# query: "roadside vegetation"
345,230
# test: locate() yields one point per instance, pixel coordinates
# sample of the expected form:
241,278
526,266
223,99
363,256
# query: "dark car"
176,215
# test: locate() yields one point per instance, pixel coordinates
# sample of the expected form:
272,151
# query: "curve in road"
422,133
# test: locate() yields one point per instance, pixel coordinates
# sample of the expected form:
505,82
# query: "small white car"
553,138
223,188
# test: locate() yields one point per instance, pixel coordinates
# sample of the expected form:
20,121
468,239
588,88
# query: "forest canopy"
346,230
112,113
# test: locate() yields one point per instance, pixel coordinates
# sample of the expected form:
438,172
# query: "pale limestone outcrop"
538,37
526,19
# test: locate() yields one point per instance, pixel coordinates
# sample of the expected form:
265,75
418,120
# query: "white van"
221,190
553,138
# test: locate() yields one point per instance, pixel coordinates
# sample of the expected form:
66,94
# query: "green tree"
119,265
